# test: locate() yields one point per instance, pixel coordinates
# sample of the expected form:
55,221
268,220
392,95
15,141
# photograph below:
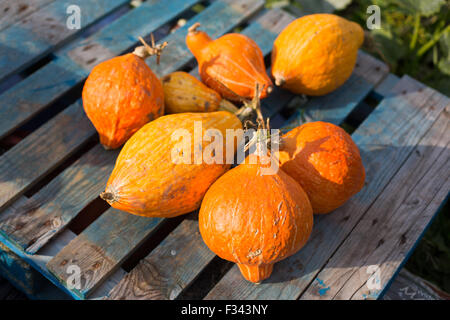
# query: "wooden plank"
386,235
408,286
73,63
87,245
35,36
36,220
18,272
214,21
337,105
40,152
384,146
14,221
167,270
100,249
276,102
13,11
383,89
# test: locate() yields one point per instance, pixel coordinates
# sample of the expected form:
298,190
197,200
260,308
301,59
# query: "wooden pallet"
51,217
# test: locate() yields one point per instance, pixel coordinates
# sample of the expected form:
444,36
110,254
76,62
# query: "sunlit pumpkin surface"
326,162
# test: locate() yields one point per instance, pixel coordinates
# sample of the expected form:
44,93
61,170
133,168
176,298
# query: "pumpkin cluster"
246,216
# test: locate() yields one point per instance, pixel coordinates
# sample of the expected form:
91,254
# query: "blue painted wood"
13,11
383,89
56,150
99,249
73,63
32,38
95,244
27,161
18,272
183,255
384,146
215,20
37,263
337,105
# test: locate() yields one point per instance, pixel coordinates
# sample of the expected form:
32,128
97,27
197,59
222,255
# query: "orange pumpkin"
232,64
316,54
121,95
185,93
323,158
156,175
255,220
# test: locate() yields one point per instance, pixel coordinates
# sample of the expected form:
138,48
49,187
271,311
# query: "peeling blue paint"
323,290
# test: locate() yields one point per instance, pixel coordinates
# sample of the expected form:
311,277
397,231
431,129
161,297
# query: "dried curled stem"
147,50
194,28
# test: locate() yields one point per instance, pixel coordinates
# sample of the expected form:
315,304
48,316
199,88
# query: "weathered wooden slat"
87,245
35,36
42,229
101,246
169,268
385,236
183,268
36,220
41,151
384,145
150,288
73,63
13,11
385,86
215,23
337,105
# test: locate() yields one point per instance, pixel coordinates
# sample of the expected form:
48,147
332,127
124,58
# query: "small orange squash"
150,177
185,93
323,158
316,53
121,95
255,220
232,64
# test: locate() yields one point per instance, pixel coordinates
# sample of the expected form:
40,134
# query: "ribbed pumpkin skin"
184,93
255,220
326,162
120,96
316,54
145,180
231,64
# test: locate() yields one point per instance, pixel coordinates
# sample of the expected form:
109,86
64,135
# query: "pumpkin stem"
194,28
256,274
279,81
108,196
147,50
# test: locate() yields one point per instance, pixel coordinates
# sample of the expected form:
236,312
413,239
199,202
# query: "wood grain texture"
385,86
13,11
35,36
33,222
73,63
48,217
102,247
384,146
385,236
337,105
215,20
87,245
144,282
169,268
40,152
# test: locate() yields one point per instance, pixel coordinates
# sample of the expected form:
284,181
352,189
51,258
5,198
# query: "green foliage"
431,258
413,39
